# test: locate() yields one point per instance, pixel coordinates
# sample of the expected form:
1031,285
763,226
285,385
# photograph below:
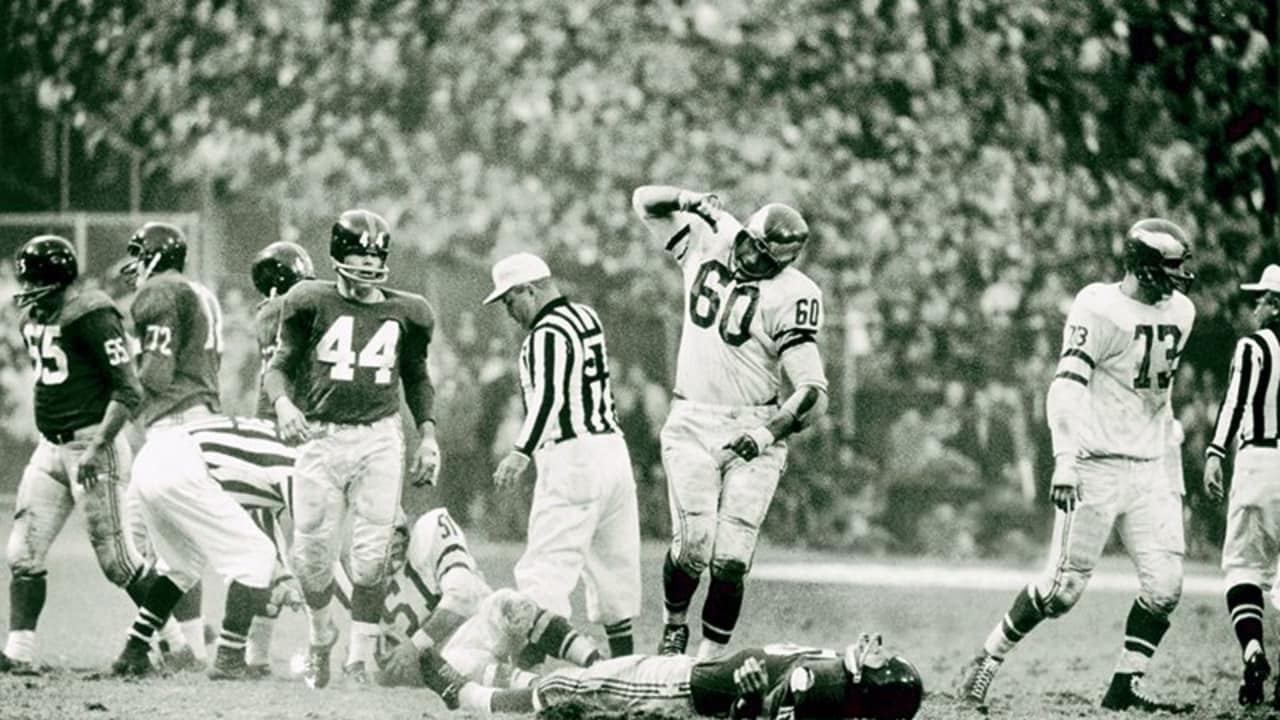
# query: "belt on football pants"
1260,443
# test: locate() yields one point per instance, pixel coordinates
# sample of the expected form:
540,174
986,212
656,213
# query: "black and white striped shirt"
1250,411
248,459
564,374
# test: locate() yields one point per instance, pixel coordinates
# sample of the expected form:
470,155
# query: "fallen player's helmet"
360,232
1157,252
46,265
279,266
155,247
866,683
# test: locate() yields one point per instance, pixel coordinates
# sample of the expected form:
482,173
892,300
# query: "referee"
1249,414
583,521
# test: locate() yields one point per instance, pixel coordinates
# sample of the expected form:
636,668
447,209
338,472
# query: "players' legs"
43,504
562,520
612,572
693,492
319,510
1151,531
744,502
1249,554
105,517
375,500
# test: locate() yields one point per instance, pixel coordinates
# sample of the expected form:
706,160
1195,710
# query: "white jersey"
1125,352
735,331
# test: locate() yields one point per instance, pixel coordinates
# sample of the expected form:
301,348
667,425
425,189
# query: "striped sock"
553,635
620,637
1023,616
155,610
1245,603
1143,631
678,588
722,608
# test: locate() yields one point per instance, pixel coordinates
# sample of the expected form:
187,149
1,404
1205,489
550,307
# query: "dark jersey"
343,360
713,690
266,326
179,324
81,363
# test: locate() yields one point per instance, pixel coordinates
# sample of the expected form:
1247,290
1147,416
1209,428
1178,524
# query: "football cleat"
315,672
1256,672
182,660
228,664
675,640
441,677
257,671
355,673
133,660
1126,693
976,679
17,667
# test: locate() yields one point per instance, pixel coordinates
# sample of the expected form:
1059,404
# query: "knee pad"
1061,592
729,569
691,543
1162,597
27,572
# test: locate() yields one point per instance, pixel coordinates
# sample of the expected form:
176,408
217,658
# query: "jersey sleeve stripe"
456,565
1074,377
1236,398
412,573
679,235
1080,355
793,338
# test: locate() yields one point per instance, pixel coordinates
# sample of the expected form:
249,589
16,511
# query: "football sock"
502,675
621,641
554,636
1023,616
139,584
678,587
193,631
191,607
441,624
244,603
258,647
709,649
721,610
1143,631
155,611
21,645
1244,602
26,600
366,603
172,634
364,643
497,701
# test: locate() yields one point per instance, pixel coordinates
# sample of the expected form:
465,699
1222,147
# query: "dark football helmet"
772,239
1157,252
46,266
866,683
155,247
360,232
279,266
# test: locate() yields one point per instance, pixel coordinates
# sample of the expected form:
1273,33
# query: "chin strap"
868,652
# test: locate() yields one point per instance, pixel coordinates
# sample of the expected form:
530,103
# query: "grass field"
929,617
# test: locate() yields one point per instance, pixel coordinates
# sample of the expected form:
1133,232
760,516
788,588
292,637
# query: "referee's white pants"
1252,544
584,523
192,522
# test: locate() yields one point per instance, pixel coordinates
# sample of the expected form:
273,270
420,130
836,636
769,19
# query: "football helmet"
155,247
360,232
279,266
772,239
1157,252
46,265
866,683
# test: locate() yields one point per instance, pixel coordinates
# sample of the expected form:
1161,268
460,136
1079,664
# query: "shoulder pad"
83,303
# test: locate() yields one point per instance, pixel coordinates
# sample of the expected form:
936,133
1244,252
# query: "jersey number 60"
704,303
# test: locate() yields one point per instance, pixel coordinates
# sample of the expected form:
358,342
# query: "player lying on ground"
436,598
776,681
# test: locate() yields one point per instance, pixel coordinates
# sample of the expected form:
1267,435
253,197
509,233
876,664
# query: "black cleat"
229,664
316,672
1256,672
17,667
257,671
1125,693
675,640
975,679
133,660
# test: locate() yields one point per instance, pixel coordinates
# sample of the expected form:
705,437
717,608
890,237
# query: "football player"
86,389
276,268
749,318
436,597
345,347
190,519
1112,429
775,681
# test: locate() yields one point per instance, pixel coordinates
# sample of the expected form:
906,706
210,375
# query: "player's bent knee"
27,569
1062,593
729,569
1162,600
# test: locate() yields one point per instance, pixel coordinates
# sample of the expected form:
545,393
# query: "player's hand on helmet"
752,680
748,445
285,593
426,461
510,469
293,425
87,472
1065,493
1213,478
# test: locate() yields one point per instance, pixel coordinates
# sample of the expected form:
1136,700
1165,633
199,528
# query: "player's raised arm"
668,212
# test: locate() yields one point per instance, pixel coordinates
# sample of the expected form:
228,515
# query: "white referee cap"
1270,281
514,270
